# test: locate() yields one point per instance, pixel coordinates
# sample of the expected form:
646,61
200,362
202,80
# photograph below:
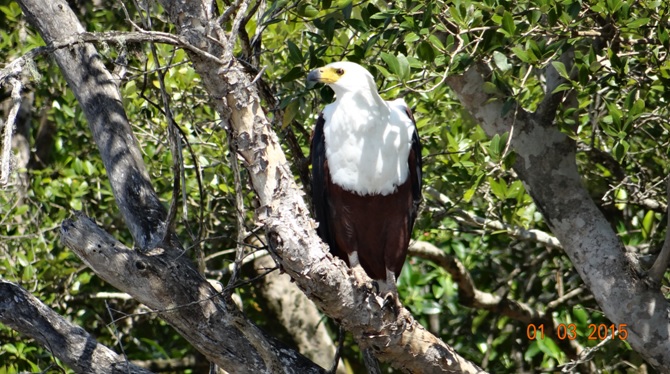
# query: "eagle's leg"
360,277
389,292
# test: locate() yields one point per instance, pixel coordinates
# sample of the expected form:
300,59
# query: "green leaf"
491,88
21,210
75,204
620,150
10,348
307,10
581,315
647,224
294,53
508,23
549,348
560,69
522,54
499,188
637,108
501,61
494,147
470,192
425,51
613,5
532,351
637,23
290,112
562,87
403,64
392,62
293,74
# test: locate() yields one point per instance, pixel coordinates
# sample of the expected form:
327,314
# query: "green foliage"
615,107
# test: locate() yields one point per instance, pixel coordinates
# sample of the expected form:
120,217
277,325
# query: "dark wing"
415,173
320,180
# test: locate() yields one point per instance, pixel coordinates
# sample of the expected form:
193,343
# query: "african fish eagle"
366,175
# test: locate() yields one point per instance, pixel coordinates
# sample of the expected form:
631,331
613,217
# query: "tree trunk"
546,164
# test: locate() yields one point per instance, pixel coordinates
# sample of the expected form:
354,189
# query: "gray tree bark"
71,344
298,315
546,164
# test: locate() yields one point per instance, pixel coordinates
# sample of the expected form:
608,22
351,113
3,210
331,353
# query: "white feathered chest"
367,146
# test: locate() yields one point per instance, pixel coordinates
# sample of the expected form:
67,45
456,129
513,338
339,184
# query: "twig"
114,330
234,30
240,212
463,217
5,161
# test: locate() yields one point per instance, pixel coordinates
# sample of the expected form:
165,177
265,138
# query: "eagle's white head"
344,77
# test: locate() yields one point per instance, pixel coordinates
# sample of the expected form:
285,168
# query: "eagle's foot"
392,300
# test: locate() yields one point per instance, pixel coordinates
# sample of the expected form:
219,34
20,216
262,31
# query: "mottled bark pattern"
546,164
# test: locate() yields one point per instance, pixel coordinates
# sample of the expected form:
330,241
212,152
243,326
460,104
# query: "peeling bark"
546,165
161,277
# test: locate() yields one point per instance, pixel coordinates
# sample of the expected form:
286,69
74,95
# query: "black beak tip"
314,76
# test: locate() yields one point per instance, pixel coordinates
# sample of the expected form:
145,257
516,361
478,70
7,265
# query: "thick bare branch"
171,285
546,164
5,158
26,314
98,94
164,278
469,295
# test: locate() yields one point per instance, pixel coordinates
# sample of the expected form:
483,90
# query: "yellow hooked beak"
326,74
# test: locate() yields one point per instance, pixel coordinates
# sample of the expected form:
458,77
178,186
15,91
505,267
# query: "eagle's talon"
392,300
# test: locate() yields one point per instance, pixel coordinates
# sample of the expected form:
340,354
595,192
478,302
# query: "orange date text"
595,331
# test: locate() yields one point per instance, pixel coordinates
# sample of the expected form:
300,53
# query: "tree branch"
169,284
297,314
98,94
163,278
6,158
470,296
469,219
26,314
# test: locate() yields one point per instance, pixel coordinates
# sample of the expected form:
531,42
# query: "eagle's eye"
339,71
